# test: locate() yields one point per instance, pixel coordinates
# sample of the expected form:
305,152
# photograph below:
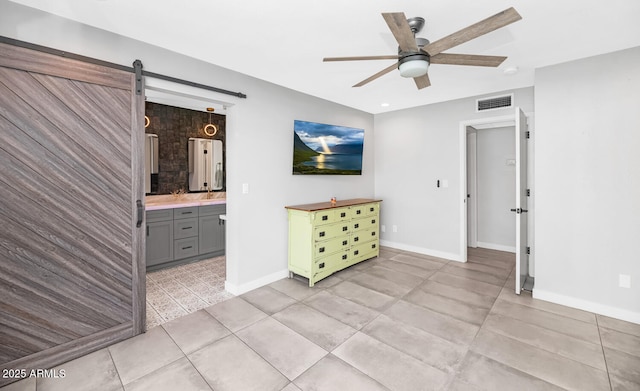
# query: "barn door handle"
140,213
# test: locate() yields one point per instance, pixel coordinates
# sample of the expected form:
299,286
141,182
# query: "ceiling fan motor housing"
418,68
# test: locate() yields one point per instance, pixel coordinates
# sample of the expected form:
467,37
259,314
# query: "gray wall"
414,148
259,139
496,188
588,183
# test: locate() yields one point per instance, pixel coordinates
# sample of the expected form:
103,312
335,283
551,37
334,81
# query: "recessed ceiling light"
510,70
384,105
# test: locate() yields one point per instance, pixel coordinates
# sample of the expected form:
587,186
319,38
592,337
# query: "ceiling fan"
415,54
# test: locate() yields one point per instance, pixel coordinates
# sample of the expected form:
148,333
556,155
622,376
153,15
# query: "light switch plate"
245,188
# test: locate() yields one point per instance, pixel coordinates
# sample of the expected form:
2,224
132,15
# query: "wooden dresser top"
328,205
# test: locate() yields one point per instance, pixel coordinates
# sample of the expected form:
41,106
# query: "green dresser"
324,238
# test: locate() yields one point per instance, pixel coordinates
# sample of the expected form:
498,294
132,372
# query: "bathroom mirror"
205,164
174,126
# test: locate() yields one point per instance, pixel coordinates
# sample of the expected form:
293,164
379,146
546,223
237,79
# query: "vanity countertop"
196,199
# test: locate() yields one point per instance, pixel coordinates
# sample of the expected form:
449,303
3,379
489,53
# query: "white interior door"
521,200
472,199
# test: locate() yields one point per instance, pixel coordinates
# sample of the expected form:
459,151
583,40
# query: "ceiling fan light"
414,68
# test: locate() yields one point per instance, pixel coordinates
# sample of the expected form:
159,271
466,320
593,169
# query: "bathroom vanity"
181,232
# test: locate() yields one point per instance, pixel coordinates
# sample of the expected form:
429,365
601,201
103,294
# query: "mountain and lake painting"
321,149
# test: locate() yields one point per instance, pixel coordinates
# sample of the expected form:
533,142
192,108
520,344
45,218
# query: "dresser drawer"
185,228
185,213
366,223
323,217
185,248
330,231
320,249
331,262
357,211
364,236
364,250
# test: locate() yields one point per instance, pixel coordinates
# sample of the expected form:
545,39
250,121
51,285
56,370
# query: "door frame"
462,136
472,173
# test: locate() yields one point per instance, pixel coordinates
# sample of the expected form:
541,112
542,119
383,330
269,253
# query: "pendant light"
210,129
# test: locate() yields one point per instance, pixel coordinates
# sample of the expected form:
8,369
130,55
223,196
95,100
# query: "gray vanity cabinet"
180,235
159,236
211,229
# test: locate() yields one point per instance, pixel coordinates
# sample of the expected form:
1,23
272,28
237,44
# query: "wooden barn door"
71,265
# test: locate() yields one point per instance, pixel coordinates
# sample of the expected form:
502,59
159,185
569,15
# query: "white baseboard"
498,247
586,305
251,285
421,250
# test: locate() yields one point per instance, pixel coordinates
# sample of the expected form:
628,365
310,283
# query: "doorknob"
514,210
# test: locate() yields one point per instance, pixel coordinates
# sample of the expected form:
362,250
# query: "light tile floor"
402,321
181,290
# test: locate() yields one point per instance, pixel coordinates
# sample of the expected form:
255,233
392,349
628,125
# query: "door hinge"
528,133
528,250
528,192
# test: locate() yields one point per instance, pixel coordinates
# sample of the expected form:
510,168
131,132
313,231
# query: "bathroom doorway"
178,113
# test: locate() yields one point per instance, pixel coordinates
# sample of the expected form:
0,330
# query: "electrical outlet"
624,280
245,188
394,228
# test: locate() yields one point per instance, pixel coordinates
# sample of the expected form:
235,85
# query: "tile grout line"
604,356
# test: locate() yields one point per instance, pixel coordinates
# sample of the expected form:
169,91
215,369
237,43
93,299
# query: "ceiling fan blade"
422,81
485,26
467,59
377,75
399,26
358,58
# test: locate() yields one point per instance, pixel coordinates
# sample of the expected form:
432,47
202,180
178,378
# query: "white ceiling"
284,41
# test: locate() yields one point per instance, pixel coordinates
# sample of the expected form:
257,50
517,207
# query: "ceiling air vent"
495,102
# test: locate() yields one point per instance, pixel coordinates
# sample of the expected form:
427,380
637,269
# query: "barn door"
71,266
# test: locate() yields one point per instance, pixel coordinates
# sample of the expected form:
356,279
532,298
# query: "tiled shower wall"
174,126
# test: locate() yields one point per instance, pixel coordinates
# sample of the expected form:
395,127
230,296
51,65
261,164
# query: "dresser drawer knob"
356,252
356,226
344,242
343,214
321,266
325,218
358,211
321,249
373,221
373,245
371,209
373,233
345,228
344,256
187,228
355,239
321,234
